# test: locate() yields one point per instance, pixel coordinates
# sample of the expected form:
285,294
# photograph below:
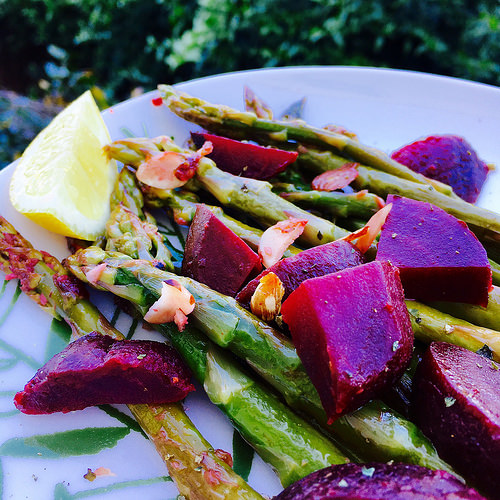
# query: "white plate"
386,108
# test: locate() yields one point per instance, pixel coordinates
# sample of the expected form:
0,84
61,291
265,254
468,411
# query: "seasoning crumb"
141,356
367,471
343,483
393,235
395,345
90,475
449,401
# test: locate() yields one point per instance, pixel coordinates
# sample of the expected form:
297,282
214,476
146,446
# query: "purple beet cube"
438,257
310,263
457,405
216,256
352,332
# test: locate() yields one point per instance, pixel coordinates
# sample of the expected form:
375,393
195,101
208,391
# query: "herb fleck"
486,352
141,356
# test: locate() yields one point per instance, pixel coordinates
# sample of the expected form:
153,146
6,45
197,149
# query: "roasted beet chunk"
245,159
376,481
97,369
438,257
449,159
311,263
352,333
457,405
214,255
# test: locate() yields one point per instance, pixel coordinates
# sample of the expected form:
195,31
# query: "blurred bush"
60,47
122,44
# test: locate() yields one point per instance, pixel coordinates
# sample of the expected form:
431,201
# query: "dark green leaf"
64,444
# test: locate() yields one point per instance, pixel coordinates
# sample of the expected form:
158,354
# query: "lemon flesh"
64,179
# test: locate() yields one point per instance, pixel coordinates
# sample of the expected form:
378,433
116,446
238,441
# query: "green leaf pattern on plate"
82,442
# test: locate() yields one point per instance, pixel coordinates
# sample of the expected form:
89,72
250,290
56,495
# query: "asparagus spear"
228,121
487,317
375,431
184,207
283,439
495,271
358,205
250,393
192,462
287,442
135,236
484,223
249,195
431,325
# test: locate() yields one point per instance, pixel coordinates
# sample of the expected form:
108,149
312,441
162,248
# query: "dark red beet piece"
311,263
449,159
438,257
375,481
97,369
457,405
216,256
352,332
245,159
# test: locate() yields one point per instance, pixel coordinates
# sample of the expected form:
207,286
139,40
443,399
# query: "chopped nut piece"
266,300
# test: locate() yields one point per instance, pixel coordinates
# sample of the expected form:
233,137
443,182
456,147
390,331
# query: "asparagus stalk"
488,317
283,439
184,207
249,195
246,125
484,223
360,205
431,325
129,229
191,461
375,431
495,271
224,375
293,447
257,199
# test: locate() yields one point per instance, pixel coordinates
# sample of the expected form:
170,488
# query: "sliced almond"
266,300
174,304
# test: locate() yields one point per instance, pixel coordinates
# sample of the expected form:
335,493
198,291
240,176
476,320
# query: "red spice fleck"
224,456
43,300
213,477
157,101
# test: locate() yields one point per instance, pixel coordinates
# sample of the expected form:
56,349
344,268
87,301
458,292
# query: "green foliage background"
127,43
59,47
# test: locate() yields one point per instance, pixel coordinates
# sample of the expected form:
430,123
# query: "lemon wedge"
64,179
